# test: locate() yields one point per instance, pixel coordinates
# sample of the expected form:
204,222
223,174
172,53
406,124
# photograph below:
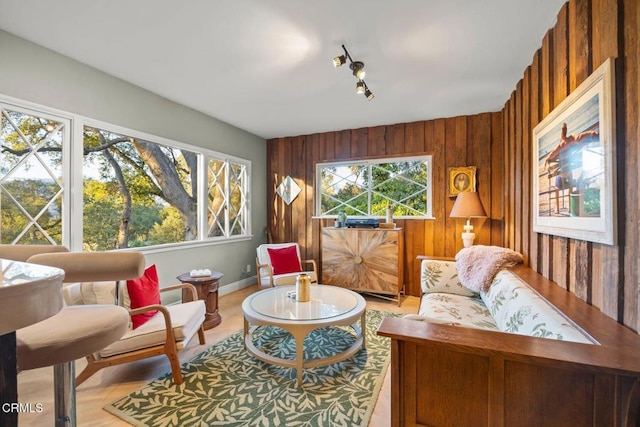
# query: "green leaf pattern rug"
225,386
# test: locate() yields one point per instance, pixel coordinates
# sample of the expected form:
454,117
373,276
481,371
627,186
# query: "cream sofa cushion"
186,320
452,309
510,305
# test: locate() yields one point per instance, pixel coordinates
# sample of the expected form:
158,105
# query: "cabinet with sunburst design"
363,260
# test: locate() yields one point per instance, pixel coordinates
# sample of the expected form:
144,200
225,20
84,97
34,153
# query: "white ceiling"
266,65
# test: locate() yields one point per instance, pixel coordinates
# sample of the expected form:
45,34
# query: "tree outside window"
367,188
142,191
31,178
136,192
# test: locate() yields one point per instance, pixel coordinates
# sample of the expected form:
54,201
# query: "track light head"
369,94
358,69
360,87
339,61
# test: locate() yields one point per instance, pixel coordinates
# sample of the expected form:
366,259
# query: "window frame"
72,197
428,158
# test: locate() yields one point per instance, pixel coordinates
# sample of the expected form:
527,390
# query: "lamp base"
467,239
468,236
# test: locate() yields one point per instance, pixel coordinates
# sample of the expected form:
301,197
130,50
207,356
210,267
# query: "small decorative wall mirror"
288,190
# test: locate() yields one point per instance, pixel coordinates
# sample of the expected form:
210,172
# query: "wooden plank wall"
458,141
587,32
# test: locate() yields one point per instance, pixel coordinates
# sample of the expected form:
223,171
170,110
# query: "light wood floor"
109,384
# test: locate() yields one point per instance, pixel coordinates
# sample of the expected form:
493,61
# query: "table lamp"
468,205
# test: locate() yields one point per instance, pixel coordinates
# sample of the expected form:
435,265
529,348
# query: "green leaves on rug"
225,386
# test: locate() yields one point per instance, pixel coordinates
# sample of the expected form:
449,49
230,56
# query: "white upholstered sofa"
506,355
509,305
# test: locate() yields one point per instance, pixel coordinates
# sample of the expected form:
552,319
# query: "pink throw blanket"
478,265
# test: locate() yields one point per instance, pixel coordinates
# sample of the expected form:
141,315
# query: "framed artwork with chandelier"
573,163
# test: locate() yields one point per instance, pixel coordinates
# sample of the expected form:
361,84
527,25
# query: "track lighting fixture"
339,61
369,94
357,67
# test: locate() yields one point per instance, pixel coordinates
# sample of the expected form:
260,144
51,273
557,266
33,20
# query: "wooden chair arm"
147,308
435,258
194,292
313,263
259,267
165,313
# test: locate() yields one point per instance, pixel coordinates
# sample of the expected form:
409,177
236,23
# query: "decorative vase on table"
303,282
342,217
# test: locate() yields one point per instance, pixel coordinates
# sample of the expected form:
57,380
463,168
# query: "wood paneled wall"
587,32
458,141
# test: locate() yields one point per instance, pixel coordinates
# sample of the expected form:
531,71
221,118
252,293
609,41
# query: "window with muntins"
366,188
31,176
134,189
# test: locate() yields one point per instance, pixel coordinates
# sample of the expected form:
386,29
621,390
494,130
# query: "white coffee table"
328,306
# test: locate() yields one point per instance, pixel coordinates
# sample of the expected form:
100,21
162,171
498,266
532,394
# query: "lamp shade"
468,205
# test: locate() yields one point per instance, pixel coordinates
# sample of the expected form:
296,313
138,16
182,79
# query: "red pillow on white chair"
144,291
285,260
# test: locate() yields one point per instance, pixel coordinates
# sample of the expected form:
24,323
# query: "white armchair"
167,332
280,263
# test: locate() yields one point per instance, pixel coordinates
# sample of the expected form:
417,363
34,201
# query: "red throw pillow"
144,291
285,260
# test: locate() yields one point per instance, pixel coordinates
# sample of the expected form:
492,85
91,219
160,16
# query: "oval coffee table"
328,306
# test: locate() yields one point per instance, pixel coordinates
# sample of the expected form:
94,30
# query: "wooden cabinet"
364,260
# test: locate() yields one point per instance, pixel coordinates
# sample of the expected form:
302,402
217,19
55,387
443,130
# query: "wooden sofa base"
452,376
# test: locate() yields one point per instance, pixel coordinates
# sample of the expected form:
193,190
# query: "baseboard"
236,286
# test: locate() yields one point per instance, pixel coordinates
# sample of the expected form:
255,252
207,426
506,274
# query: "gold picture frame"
461,180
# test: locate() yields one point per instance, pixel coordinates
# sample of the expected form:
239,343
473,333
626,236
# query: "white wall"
33,73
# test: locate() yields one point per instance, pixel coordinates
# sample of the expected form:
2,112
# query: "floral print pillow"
442,276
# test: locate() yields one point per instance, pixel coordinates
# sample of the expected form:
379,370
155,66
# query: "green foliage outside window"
136,193
367,188
144,188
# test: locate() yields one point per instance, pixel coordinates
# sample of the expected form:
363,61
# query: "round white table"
29,293
328,306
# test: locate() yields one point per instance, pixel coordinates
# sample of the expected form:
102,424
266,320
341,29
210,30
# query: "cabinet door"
360,259
378,271
339,249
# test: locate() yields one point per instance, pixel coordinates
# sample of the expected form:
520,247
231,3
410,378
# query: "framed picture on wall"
573,163
462,179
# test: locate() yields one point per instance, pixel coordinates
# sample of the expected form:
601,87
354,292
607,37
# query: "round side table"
207,288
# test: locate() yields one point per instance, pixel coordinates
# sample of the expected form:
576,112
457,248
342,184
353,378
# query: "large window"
31,177
367,188
134,189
